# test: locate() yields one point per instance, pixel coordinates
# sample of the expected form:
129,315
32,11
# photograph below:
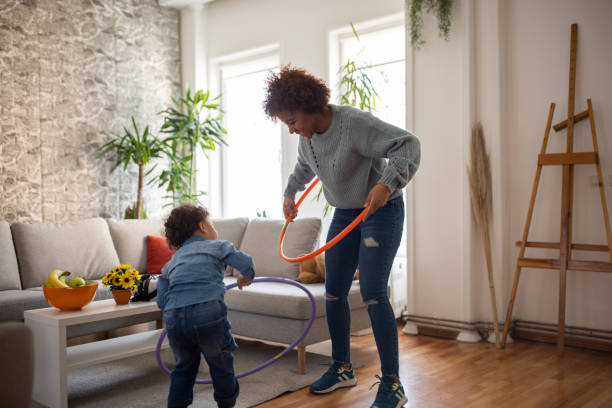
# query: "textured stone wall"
72,72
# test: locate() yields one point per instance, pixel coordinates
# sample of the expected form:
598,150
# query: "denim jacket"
195,272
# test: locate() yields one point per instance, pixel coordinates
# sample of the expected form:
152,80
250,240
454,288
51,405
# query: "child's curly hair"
182,222
293,90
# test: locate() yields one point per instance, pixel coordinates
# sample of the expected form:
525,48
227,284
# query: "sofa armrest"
17,356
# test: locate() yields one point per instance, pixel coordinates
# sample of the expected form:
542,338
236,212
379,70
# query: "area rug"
137,382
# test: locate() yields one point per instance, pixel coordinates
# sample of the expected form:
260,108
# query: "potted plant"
123,280
194,121
140,149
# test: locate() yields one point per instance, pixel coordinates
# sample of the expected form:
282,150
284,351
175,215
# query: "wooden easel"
568,160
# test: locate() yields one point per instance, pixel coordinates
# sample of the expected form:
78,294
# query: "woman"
361,161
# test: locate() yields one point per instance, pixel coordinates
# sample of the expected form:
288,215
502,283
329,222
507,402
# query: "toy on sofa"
313,270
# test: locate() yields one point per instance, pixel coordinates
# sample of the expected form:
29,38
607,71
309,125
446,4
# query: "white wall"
438,187
537,42
505,63
301,30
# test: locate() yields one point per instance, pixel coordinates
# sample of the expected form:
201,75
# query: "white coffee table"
53,359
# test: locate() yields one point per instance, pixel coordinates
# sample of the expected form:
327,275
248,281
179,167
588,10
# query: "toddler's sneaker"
390,394
335,377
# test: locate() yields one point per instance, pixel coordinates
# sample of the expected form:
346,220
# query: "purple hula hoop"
273,359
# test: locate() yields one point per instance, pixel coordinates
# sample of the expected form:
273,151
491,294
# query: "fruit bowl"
70,298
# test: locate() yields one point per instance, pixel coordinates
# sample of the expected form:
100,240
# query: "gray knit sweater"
357,152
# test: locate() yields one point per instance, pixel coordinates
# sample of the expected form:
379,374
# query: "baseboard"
444,328
592,339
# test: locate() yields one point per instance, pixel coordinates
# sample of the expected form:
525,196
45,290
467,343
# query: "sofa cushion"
9,272
279,299
232,230
130,239
261,242
83,247
17,355
14,302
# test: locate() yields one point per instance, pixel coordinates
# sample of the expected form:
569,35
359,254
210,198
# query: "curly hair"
294,89
182,222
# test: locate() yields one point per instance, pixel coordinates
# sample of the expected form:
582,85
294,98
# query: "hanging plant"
441,8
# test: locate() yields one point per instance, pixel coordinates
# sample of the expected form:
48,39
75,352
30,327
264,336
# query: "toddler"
190,291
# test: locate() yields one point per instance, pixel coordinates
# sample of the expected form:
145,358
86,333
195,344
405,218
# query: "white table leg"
50,373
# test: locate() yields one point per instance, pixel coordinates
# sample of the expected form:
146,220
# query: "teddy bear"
313,270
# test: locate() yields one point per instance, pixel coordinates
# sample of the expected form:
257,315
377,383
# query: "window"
381,51
251,163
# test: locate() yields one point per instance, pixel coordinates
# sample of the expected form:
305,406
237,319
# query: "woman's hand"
288,205
377,198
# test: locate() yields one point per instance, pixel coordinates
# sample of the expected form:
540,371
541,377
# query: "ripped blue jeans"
201,329
372,246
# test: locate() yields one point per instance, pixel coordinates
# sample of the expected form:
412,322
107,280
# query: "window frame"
336,38
233,65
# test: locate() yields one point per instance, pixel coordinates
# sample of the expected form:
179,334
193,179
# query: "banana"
63,276
57,279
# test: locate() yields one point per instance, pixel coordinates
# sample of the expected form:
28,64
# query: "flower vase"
122,296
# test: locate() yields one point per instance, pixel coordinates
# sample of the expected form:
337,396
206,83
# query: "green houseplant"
441,8
355,84
136,148
194,121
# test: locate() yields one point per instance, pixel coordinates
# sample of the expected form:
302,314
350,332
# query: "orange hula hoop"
325,247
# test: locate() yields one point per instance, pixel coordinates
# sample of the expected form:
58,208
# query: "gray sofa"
267,311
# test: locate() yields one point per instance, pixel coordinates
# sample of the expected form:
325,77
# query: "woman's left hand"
377,198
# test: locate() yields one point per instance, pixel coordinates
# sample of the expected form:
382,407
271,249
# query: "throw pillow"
158,254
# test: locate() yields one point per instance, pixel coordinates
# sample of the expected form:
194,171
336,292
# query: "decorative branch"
481,191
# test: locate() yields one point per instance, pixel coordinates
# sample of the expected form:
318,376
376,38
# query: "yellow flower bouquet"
122,277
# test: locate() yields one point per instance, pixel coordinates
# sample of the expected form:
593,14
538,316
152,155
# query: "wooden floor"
444,373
